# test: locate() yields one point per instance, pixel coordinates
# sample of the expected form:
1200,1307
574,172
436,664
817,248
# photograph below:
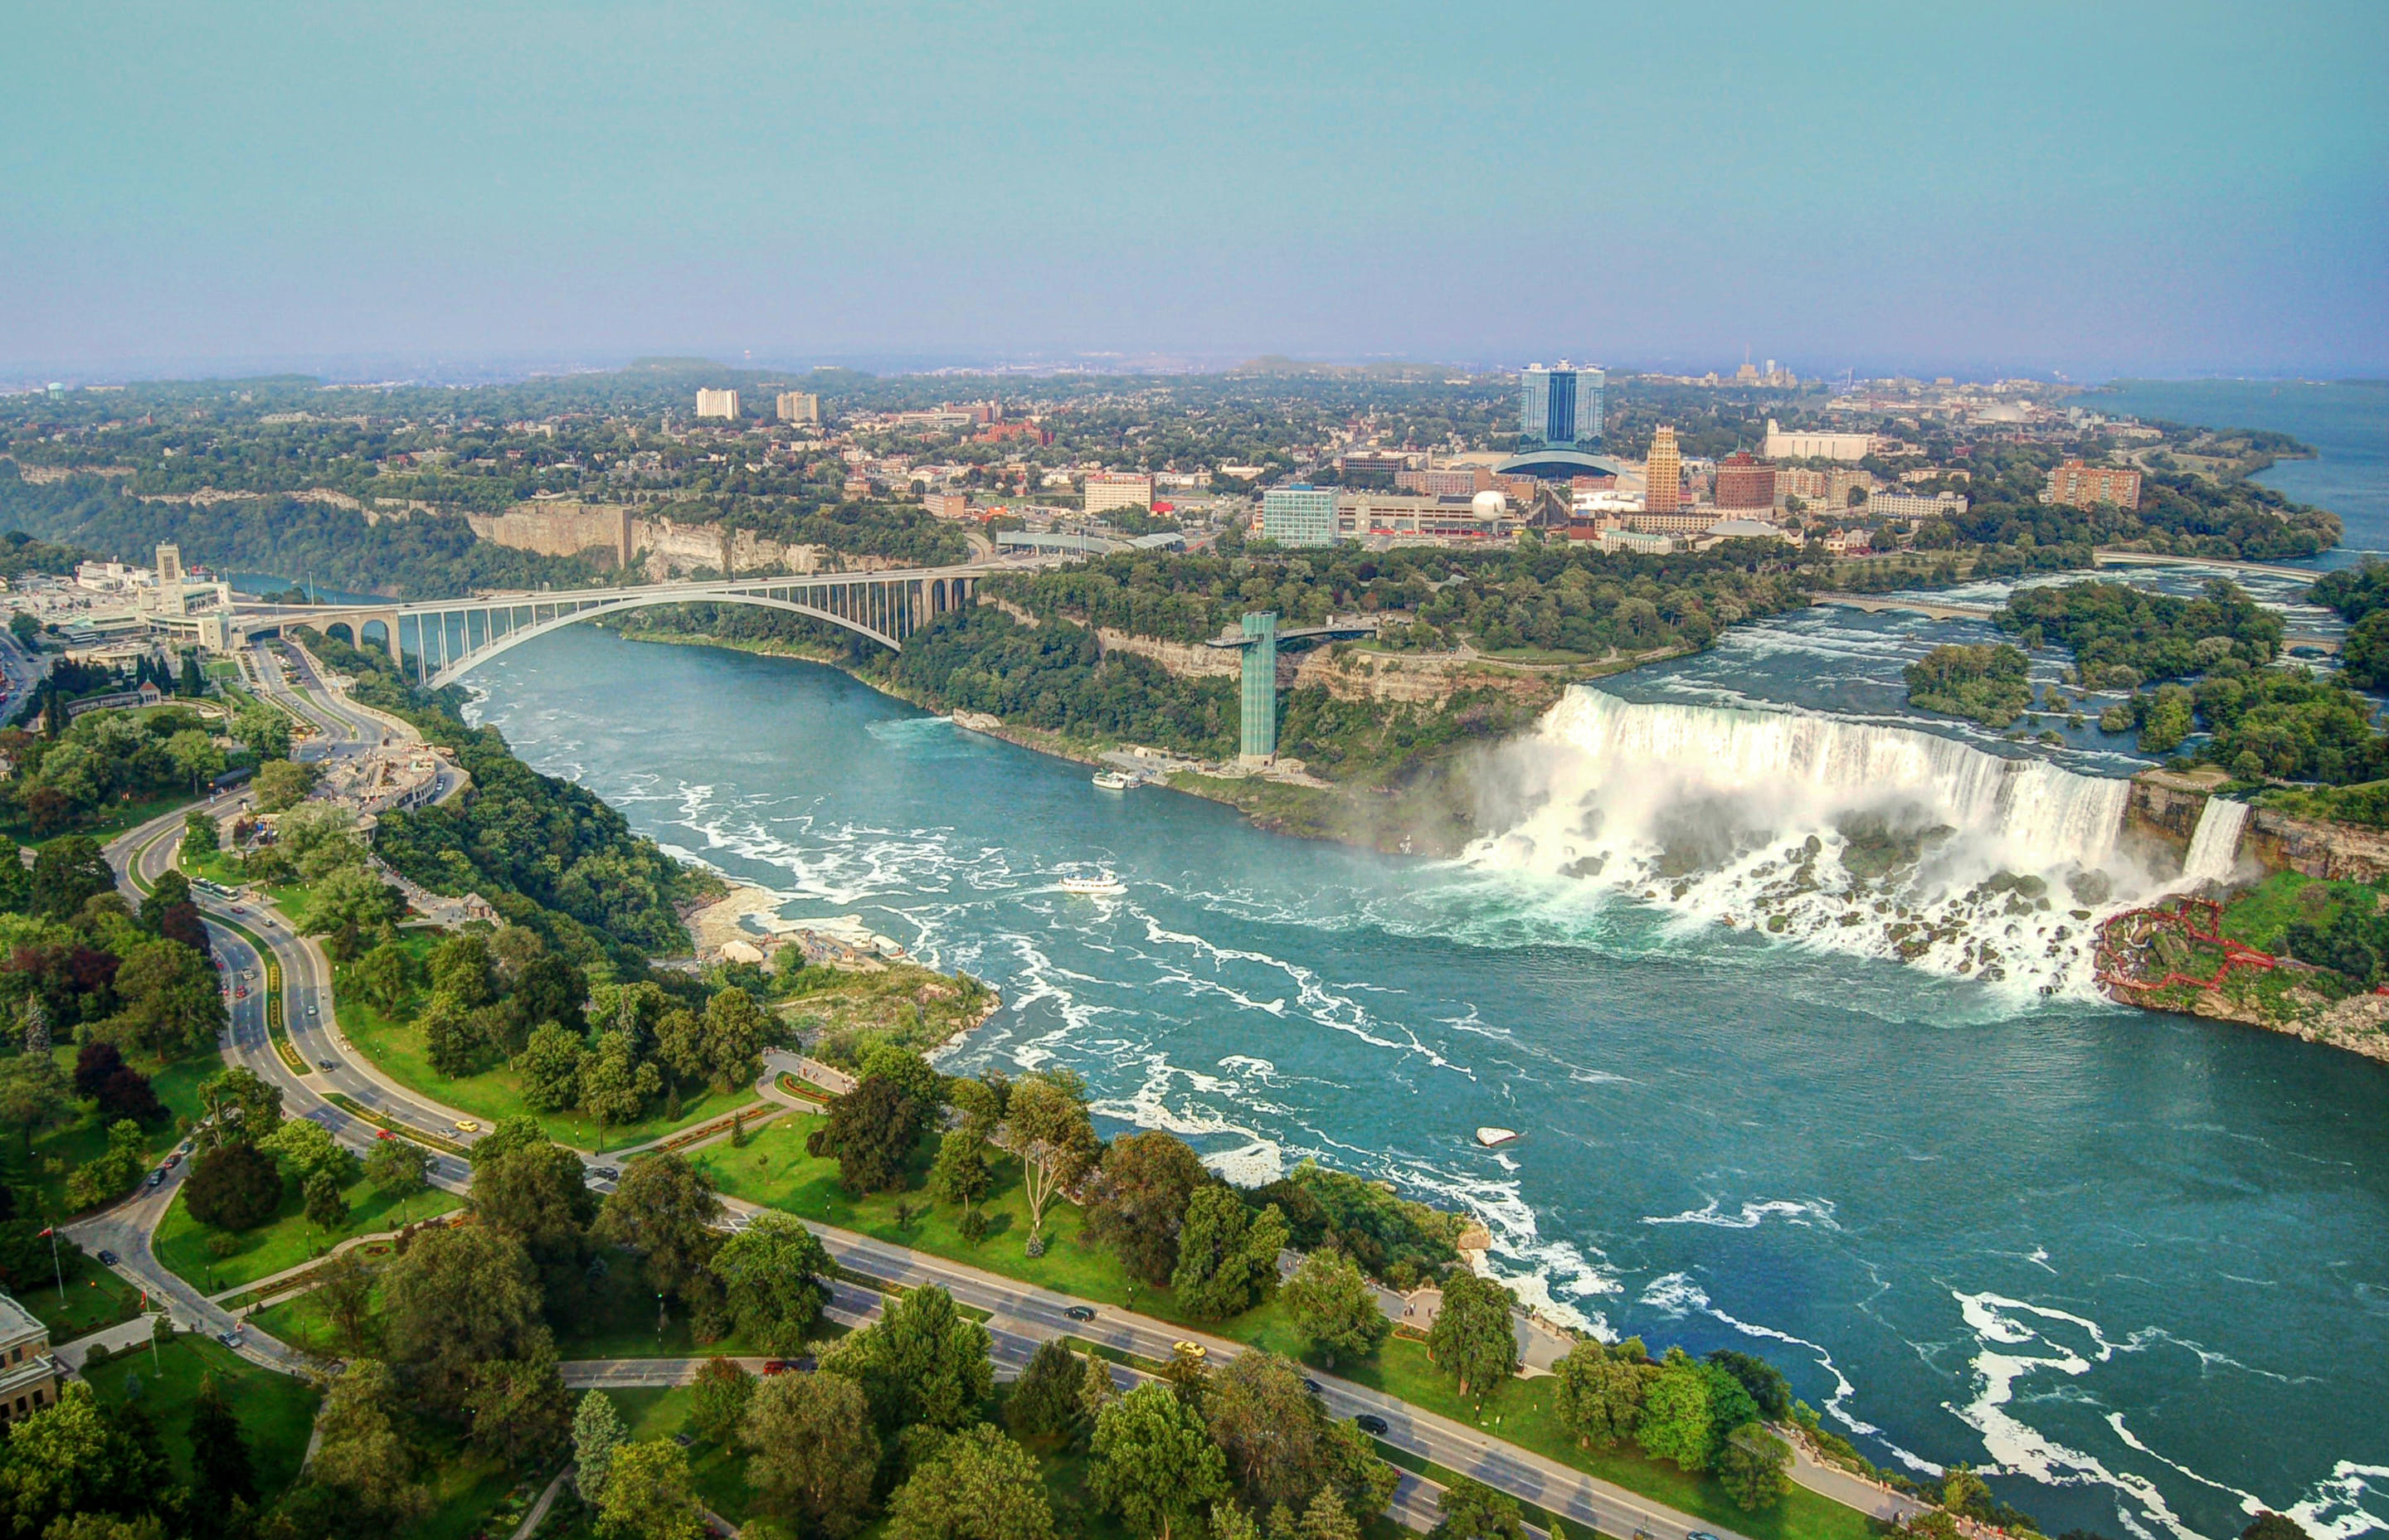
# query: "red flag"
45,1233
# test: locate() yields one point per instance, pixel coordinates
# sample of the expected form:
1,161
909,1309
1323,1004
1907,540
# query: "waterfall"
2214,844
1881,840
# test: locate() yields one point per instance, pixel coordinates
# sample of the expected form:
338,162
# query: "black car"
108,1259
1314,1387
325,1063
1080,1312
1372,1424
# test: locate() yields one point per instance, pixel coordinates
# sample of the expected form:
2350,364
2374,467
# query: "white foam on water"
1818,1211
1884,842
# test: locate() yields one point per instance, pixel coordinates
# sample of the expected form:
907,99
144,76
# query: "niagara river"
2136,1265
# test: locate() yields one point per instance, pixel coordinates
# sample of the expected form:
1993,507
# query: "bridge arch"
435,622
340,631
374,635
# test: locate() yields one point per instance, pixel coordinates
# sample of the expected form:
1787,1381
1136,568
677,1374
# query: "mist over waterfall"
1877,840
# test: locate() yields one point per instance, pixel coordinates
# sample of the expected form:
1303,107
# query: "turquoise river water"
2137,1265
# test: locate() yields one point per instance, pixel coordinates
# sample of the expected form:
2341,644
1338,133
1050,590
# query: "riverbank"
1431,812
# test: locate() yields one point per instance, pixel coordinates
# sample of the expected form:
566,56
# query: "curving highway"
1020,1314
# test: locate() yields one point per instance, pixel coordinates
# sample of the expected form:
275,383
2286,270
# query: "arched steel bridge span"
446,639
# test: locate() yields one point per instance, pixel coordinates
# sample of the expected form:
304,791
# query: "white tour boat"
1114,780
1102,884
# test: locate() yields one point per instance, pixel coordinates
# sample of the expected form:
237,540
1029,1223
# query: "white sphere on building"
1489,503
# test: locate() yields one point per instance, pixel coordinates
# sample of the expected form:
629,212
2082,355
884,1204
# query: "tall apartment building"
1560,407
1744,483
1662,473
716,404
1109,489
29,1375
2081,486
170,565
1299,515
797,406
1803,444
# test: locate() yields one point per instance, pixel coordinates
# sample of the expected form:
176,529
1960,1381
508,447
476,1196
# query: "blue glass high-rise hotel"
1559,422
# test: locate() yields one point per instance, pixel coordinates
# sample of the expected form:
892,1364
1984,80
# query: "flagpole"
59,1271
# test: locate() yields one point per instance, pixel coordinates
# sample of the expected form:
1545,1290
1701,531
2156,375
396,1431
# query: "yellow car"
1187,1350
467,1126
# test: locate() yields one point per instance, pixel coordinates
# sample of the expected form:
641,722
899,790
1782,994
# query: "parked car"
609,1174
174,1160
1372,1424
155,1178
108,1259
1080,1312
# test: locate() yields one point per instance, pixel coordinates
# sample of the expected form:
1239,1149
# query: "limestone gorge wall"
667,547
1350,674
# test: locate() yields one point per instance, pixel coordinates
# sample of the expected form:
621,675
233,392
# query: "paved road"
1021,1315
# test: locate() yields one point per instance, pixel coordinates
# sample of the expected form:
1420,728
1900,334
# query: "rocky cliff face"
2343,852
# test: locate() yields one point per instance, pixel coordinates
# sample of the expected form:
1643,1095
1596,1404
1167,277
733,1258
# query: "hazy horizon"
2142,190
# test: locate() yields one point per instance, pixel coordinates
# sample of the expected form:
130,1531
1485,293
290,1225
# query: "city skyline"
1856,187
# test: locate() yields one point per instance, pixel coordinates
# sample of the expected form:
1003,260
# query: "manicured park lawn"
285,1240
775,1169
397,1051
91,1298
41,1191
276,1411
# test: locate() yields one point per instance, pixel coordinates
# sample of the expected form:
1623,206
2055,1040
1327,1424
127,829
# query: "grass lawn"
397,1051
284,1240
107,822
276,1411
93,1297
2260,916
775,1169
468,1486
42,1191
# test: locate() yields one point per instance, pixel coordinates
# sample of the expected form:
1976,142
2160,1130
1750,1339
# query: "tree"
1471,1510
1473,1337
980,1485
906,1067
1675,1423
1045,1400
171,1000
110,1175
32,1095
349,903
233,1187
16,881
345,1292
1096,1388
223,1473
68,871
1326,1519
550,1067
1282,1446
615,1086
363,1463
648,1496
195,754
719,1399
1227,1257
282,784
961,1175
239,1105
1138,1203
922,1361
814,1451
597,1432
1335,1307
383,976
1052,1134
871,1130
1754,1466
306,1148
456,1298
201,835
665,1208
1600,1394
1769,1392
537,1192
398,1168
1155,1463
518,1406
736,1030
774,1274
326,1209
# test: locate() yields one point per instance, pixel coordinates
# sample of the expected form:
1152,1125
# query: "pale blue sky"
2136,187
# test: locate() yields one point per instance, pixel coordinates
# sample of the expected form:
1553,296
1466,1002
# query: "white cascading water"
1876,840
2214,844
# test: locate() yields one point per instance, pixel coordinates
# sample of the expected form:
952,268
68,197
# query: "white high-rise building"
799,406
716,404
1107,489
